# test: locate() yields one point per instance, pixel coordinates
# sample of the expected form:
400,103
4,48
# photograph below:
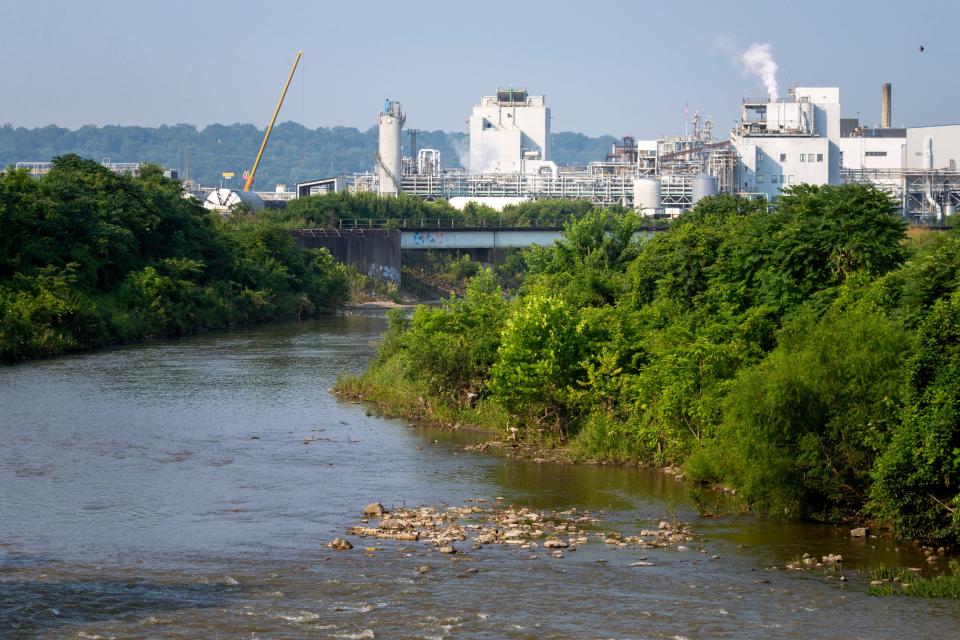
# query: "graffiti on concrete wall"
384,272
429,238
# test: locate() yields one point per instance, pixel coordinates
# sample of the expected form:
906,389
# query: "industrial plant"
777,143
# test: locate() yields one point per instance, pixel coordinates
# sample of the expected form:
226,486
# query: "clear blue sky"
606,67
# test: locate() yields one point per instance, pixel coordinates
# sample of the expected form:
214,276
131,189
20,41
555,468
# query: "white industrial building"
777,144
509,162
873,152
936,148
510,133
803,139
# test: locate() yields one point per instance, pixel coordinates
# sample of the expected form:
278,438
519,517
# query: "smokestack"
885,106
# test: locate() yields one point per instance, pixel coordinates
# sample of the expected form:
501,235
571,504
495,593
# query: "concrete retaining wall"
478,238
374,252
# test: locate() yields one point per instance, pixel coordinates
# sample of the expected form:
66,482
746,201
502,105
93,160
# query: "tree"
540,357
917,479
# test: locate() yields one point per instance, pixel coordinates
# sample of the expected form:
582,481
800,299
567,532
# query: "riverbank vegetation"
806,355
90,258
907,582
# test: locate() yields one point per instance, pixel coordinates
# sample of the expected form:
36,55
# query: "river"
188,488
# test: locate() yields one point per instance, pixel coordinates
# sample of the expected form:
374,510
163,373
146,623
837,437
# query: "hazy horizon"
261,127
627,68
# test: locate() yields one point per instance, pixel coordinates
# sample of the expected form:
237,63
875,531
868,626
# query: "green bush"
540,357
917,479
452,347
802,428
89,257
806,353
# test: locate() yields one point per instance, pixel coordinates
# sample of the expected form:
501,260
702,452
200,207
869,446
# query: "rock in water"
340,544
373,510
555,543
859,532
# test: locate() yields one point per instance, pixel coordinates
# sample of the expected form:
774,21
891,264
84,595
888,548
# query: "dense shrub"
452,347
539,359
802,428
805,353
89,257
917,479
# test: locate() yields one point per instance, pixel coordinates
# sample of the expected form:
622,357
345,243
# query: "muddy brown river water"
166,491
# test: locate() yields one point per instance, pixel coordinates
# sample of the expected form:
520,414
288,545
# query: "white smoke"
461,147
758,60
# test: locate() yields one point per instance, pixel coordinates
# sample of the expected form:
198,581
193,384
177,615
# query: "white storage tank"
646,195
703,186
388,154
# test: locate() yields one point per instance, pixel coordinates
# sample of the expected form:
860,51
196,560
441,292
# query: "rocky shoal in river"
482,522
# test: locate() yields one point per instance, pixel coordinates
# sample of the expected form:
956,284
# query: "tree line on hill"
295,153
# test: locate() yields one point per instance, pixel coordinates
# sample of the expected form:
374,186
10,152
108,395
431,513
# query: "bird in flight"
921,48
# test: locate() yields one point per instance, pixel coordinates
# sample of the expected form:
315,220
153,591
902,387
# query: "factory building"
777,144
510,133
509,162
803,140
933,148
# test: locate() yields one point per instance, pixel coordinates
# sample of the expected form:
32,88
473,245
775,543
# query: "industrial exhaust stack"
885,106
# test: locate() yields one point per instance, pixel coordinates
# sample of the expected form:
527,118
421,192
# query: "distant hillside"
294,153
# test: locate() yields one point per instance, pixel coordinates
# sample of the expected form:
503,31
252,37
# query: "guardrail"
487,224
434,223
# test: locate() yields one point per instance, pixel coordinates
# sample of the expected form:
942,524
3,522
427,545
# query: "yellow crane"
266,136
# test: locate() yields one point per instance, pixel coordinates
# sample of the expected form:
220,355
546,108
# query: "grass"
904,582
396,395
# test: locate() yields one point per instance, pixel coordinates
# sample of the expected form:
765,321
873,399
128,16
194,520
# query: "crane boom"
266,135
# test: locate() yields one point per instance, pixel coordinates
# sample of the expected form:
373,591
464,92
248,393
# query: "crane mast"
266,135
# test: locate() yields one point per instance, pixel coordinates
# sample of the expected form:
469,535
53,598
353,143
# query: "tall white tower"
507,130
388,155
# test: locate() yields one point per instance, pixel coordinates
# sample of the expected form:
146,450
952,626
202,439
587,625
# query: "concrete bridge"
374,246
477,238
376,252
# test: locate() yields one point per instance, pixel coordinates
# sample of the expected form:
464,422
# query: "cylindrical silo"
703,186
388,155
646,195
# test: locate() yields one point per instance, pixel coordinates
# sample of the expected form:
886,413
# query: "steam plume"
461,147
758,60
